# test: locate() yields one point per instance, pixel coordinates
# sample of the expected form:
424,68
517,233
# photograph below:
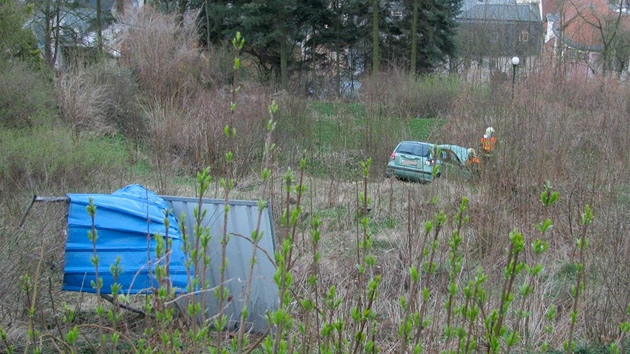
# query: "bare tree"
596,28
376,57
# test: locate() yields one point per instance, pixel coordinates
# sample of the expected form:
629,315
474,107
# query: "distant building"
501,28
492,32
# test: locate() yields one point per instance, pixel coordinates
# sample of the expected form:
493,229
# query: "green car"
415,161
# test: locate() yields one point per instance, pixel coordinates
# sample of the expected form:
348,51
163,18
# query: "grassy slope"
341,139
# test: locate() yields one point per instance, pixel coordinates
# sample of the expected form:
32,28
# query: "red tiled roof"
585,21
549,7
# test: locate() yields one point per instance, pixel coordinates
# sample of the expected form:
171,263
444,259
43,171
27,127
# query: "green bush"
26,97
48,159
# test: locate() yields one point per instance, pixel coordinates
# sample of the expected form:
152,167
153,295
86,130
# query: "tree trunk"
414,40
376,57
48,35
99,28
284,68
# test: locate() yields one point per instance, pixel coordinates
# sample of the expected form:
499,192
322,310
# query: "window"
397,13
413,149
523,36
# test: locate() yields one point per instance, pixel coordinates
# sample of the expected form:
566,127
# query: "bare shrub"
26,98
120,98
163,55
82,103
189,102
163,138
218,63
20,257
294,127
250,120
188,135
406,96
569,133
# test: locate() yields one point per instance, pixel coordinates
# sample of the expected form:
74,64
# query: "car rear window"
413,149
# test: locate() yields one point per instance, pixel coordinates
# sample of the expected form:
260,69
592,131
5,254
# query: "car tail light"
393,155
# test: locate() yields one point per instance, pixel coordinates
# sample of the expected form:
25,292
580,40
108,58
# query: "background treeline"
325,45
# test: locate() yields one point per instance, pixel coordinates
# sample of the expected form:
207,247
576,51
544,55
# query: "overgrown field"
531,258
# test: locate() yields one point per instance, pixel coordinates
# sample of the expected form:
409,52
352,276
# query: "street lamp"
515,61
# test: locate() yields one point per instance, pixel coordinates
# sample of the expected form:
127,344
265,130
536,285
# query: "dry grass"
571,133
531,151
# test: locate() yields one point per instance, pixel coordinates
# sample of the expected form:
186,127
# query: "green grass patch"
327,108
383,245
345,125
334,212
421,128
378,225
48,157
342,134
336,125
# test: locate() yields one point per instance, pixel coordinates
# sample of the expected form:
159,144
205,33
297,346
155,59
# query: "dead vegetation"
570,133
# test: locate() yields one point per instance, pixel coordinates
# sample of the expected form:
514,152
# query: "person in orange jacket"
473,164
488,142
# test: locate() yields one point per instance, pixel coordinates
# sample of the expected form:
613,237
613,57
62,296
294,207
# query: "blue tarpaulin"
126,222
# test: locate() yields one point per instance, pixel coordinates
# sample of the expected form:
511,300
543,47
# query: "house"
580,36
501,28
492,32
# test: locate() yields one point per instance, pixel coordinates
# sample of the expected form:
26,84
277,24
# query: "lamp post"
515,61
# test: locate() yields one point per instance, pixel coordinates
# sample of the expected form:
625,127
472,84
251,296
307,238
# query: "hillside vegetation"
533,257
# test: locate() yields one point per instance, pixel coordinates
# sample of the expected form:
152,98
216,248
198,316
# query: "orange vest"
473,164
488,144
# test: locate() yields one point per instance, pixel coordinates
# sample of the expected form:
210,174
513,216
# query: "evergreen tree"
210,22
15,41
349,39
434,35
312,34
339,37
269,27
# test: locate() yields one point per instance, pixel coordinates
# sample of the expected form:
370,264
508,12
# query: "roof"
549,7
512,12
583,23
578,17
468,4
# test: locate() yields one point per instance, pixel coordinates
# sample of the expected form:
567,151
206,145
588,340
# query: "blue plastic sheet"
126,222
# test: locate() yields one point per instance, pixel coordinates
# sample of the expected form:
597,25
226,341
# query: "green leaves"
548,197
544,226
587,216
517,240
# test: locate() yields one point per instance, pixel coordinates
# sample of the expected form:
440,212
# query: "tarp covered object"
244,217
126,222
